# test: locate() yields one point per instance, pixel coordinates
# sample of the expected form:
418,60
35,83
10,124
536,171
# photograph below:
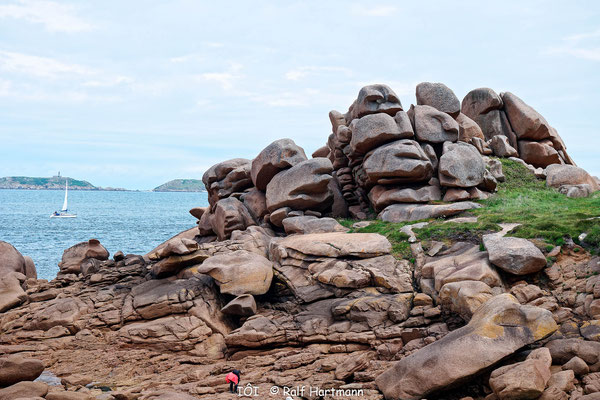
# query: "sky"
135,93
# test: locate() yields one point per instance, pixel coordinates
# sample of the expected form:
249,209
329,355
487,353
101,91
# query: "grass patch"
452,231
543,212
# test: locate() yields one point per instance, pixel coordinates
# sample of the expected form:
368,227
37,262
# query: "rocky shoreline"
272,284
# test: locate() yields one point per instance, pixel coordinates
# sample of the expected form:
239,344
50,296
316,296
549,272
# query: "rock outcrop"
497,329
270,283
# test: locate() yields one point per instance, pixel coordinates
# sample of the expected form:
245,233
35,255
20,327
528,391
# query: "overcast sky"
134,93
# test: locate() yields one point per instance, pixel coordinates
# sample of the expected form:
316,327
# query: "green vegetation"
542,212
181,185
452,231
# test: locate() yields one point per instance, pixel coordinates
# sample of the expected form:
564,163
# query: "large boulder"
480,101
256,202
279,155
230,214
11,292
538,154
305,186
374,130
242,306
414,212
558,175
382,196
75,256
376,99
461,262
30,270
239,272
11,259
514,255
24,390
524,120
306,224
461,165
468,129
432,125
15,368
227,177
402,161
524,380
464,297
563,350
438,96
337,244
501,147
498,328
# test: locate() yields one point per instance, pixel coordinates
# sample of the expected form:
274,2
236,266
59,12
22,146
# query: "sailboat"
64,213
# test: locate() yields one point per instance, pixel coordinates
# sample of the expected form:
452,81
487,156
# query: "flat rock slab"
415,212
338,244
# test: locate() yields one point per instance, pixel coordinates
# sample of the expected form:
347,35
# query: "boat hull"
63,216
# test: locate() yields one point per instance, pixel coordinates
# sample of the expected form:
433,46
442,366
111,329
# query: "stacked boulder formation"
270,283
380,158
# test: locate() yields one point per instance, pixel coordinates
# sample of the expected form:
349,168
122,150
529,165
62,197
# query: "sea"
133,222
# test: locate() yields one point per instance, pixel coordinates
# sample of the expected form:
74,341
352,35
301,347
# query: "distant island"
56,182
181,185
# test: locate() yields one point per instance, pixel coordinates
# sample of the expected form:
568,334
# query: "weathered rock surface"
11,292
398,162
480,101
414,212
373,130
438,96
302,187
11,259
525,121
24,390
75,256
524,380
239,272
278,156
558,175
226,178
514,255
461,165
230,215
491,331
538,154
310,224
376,99
383,196
501,147
432,125
468,129
15,369
243,305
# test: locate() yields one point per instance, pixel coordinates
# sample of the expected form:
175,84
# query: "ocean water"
134,222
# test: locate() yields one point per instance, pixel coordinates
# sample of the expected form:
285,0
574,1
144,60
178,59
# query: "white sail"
64,208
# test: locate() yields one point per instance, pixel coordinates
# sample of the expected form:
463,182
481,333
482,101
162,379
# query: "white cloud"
583,36
54,16
302,72
109,81
225,79
43,67
374,11
592,54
